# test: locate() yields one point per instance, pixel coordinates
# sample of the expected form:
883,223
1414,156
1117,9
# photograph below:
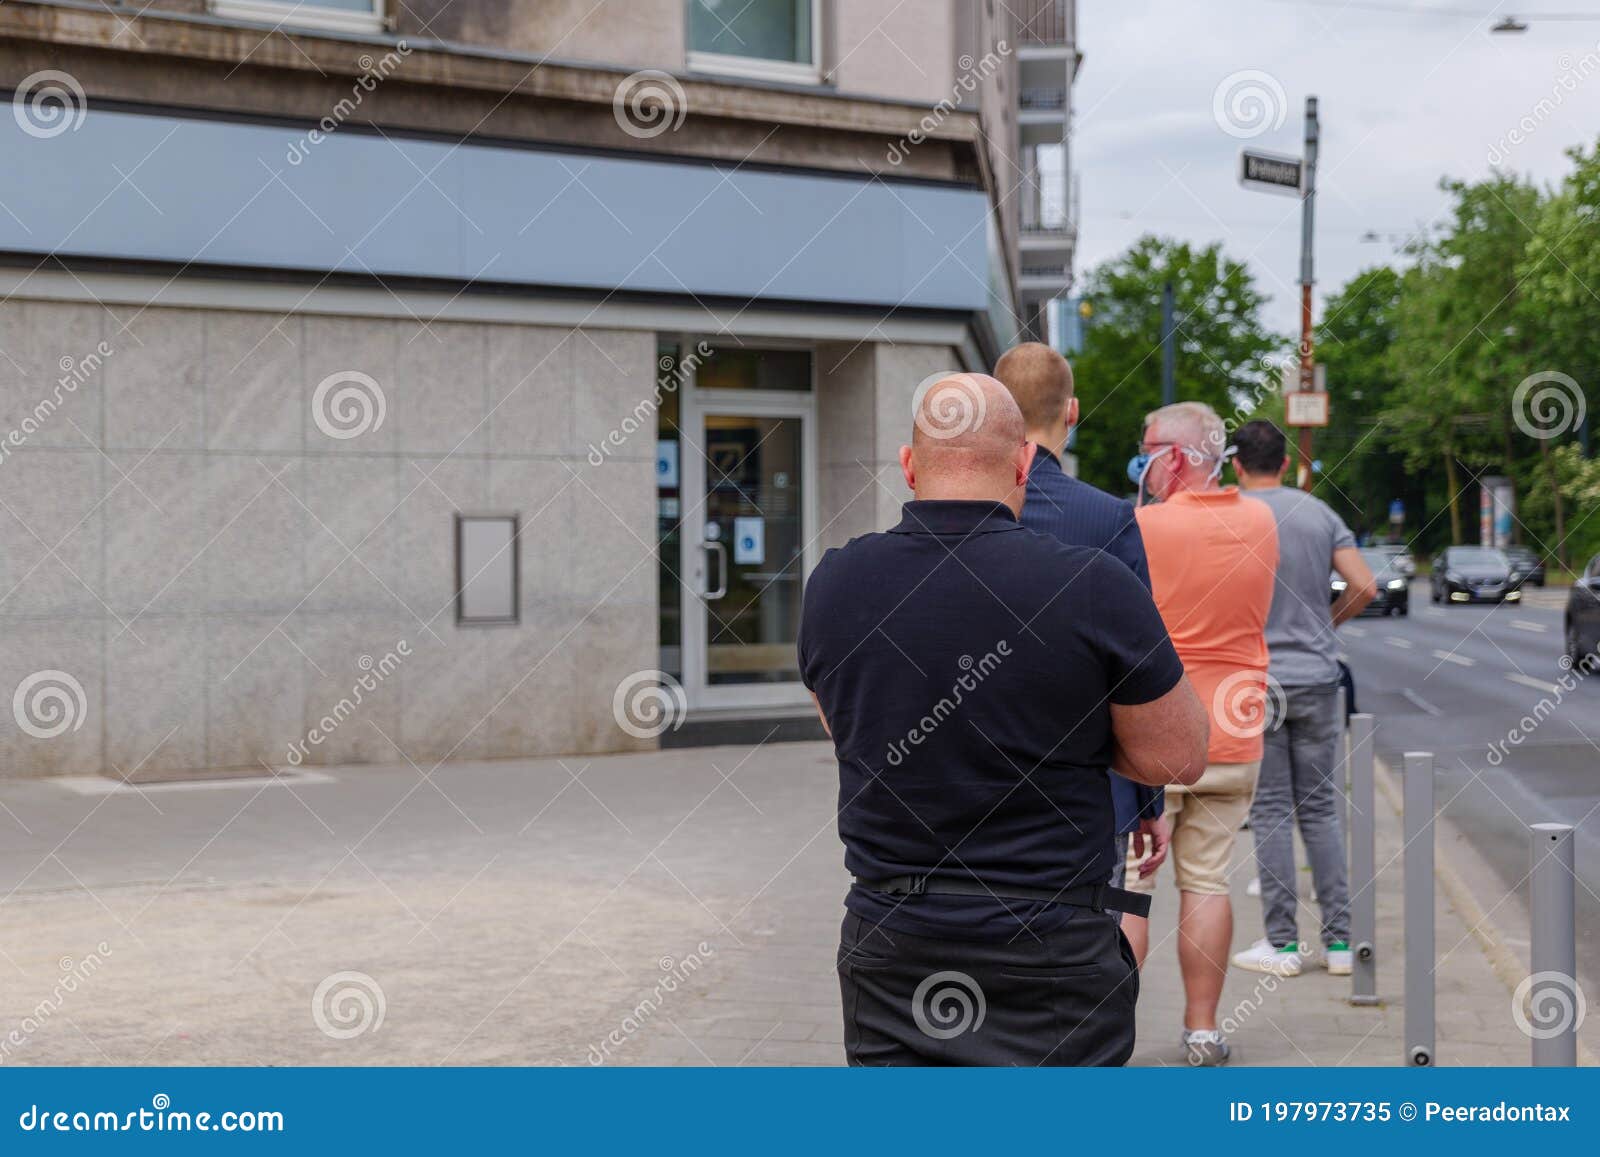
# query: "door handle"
722,569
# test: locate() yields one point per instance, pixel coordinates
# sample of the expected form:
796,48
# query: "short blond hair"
1040,379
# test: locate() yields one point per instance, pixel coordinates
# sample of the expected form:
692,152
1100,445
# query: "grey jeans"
1301,773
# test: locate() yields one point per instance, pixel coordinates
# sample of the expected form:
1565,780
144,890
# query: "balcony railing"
1043,21
1045,201
1043,99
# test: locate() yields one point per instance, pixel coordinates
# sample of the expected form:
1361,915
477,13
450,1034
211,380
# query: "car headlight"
1397,584
1339,584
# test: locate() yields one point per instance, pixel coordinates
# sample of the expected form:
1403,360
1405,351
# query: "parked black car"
1527,565
1583,615
1473,574
1394,588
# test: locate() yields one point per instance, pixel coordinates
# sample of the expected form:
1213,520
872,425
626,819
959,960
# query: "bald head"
968,441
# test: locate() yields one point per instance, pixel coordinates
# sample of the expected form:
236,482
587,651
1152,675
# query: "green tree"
1224,352
1560,271
1354,341
1462,339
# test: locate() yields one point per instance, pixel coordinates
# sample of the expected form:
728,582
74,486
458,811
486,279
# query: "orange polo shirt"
1213,555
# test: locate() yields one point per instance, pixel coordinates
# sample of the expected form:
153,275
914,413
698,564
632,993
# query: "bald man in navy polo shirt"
979,682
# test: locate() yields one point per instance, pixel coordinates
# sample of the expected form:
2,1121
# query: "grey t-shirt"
1300,637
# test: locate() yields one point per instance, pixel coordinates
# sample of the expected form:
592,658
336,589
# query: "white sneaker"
1339,959
1263,957
1253,888
1205,1048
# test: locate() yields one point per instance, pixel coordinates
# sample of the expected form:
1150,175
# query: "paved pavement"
1482,687
671,908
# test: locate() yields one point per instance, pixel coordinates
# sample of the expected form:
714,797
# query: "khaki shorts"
1205,822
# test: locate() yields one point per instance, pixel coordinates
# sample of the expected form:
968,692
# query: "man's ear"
1072,412
907,469
1025,462
1283,467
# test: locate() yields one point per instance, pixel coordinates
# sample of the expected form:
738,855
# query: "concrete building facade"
410,382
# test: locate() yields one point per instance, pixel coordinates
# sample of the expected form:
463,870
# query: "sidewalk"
669,908
1308,1020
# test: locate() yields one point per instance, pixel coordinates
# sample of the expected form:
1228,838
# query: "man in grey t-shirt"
1300,759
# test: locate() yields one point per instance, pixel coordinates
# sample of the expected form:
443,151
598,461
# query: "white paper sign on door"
750,541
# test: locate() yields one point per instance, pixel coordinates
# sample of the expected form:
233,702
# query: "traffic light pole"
1308,203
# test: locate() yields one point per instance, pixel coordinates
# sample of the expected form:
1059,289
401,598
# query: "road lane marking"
1419,701
1525,625
1403,644
1452,657
1530,681
1358,632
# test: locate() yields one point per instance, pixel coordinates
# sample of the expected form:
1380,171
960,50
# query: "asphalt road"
1461,682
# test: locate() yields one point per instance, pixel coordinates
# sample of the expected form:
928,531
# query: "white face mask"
1139,467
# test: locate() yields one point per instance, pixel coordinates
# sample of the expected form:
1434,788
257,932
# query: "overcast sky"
1406,97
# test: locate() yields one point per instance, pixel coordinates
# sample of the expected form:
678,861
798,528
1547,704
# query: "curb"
1505,963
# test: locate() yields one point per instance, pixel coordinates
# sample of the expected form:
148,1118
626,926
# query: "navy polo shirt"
966,667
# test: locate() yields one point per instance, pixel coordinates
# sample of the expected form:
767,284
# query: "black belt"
1099,897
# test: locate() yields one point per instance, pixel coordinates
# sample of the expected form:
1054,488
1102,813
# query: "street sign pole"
1308,202
1169,352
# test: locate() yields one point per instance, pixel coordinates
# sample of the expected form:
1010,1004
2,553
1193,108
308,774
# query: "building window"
488,574
759,39
329,15
755,369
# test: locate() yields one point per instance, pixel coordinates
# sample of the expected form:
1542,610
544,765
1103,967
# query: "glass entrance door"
748,546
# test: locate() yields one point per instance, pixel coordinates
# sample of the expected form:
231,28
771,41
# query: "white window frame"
305,14
756,68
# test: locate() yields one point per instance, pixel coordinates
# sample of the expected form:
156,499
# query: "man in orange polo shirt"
1213,557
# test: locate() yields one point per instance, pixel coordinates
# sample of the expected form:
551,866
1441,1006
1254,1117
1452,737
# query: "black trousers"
1064,998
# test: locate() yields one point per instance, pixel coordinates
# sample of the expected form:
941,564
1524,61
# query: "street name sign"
1274,172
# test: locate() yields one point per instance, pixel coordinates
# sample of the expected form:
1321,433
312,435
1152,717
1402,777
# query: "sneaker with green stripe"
1338,958
1263,956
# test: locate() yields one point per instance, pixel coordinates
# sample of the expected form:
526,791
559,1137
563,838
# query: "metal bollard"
1553,957
1363,864
1418,794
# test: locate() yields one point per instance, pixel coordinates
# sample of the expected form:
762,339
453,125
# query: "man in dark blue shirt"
978,681
1078,514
